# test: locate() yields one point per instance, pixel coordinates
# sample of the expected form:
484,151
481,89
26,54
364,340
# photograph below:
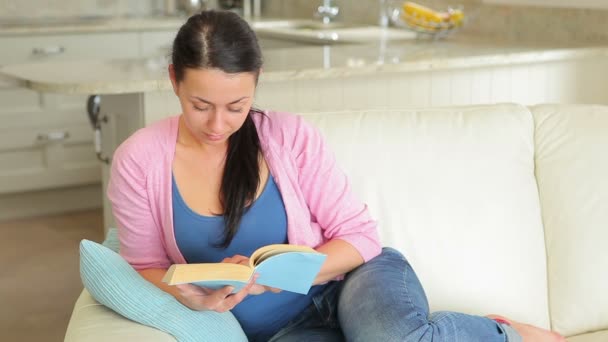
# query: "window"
554,3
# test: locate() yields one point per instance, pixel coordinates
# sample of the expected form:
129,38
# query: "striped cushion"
115,284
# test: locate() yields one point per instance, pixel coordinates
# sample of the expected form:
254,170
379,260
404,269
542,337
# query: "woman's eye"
201,109
236,110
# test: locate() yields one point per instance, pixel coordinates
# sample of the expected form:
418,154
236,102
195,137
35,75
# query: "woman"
222,179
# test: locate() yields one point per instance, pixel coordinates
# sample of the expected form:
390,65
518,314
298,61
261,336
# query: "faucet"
250,9
327,12
383,20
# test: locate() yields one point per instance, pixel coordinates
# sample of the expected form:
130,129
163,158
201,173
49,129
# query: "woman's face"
214,104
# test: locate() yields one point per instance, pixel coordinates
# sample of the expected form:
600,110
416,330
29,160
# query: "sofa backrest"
454,189
572,174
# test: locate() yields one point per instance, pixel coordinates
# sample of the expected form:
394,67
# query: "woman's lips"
214,137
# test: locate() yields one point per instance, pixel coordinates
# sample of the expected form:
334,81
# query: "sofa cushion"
599,336
454,190
95,322
572,173
114,283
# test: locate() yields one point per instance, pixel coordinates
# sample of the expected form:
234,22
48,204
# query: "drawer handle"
48,51
53,136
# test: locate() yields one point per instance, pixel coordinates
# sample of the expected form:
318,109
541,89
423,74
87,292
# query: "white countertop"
142,75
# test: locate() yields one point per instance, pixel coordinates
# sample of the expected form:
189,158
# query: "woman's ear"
172,77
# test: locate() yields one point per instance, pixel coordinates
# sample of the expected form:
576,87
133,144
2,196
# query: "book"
282,266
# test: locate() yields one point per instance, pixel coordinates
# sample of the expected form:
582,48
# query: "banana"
456,17
422,17
424,13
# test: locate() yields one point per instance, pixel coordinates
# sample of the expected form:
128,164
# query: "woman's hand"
203,299
221,300
255,289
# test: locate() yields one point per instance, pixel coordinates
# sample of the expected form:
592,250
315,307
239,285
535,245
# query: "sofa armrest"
93,322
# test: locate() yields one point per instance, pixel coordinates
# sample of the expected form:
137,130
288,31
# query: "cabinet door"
35,158
43,48
45,139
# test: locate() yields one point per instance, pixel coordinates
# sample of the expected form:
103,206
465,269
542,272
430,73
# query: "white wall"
554,3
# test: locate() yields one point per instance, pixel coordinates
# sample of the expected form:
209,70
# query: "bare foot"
530,333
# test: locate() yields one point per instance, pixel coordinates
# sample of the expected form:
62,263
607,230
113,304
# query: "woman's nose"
216,121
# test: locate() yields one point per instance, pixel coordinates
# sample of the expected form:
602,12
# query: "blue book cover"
286,267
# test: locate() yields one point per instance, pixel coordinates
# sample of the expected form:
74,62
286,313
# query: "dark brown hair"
222,40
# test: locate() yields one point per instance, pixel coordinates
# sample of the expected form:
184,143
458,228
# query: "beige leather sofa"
500,209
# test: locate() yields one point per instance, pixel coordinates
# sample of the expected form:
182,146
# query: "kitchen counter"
385,74
303,63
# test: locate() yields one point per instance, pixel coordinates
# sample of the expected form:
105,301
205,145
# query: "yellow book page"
188,273
266,252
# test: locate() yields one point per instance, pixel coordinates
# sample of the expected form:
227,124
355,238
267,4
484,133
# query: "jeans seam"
404,287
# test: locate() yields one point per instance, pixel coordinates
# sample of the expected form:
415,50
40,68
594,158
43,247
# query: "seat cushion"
454,190
600,336
94,322
572,173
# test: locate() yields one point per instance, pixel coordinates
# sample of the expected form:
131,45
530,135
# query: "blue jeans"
382,300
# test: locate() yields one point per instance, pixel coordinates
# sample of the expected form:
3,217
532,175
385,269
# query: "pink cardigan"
319,203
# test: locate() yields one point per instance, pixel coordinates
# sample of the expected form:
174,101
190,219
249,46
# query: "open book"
286,267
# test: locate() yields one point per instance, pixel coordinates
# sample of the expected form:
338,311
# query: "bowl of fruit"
425,20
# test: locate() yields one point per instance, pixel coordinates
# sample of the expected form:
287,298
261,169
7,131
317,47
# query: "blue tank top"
263,223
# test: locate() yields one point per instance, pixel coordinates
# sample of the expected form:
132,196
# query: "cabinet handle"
48,50
55,136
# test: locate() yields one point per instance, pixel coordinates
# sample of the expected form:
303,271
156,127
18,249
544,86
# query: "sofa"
499,208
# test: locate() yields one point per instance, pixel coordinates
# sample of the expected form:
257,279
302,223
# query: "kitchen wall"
525,23
522,23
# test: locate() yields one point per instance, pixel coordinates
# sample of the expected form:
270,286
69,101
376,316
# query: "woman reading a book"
222,179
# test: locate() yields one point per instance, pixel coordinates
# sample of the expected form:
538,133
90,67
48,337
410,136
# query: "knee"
391,250
388,259
389,253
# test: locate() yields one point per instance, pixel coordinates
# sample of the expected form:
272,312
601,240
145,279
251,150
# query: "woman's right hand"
204,299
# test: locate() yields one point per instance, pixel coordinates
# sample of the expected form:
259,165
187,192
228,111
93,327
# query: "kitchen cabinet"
60,47
46,142
50,156
45,139
577,80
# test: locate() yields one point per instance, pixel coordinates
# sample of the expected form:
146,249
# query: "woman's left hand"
255,289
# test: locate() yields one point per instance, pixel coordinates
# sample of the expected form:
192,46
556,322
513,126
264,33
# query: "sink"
295,25
315,32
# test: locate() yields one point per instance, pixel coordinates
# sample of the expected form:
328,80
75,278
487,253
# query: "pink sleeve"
328,194
140,235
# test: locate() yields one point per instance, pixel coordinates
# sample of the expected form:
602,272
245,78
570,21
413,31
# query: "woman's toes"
529,333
